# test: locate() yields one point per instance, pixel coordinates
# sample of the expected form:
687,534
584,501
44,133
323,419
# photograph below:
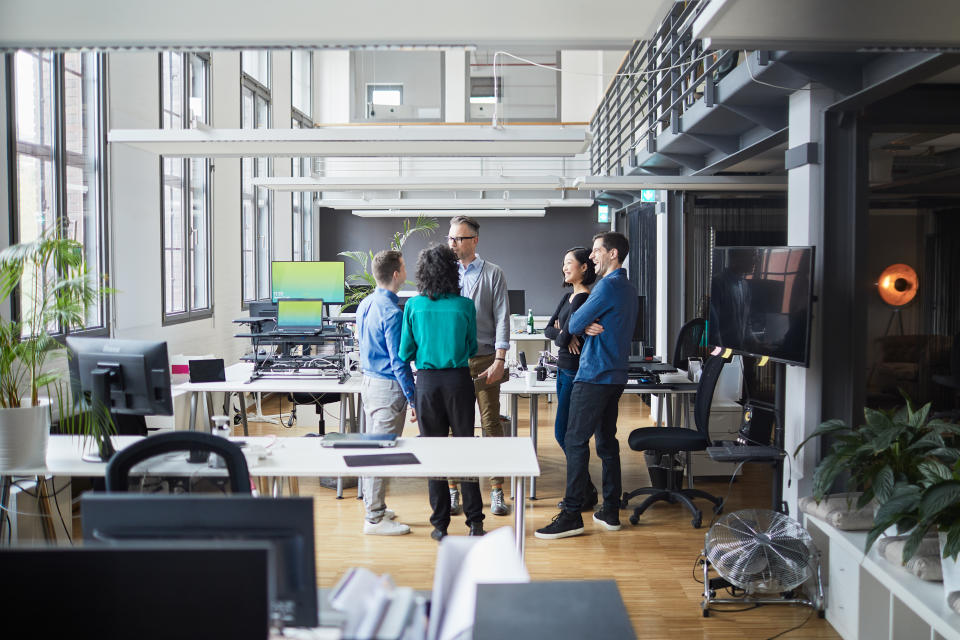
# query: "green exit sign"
603,213
648,195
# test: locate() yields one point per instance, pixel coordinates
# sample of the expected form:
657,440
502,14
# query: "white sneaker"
385,527
388,514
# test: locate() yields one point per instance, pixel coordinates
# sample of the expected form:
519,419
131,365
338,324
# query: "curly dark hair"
437,272
582,255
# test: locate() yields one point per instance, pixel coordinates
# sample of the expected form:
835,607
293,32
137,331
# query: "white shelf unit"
870,598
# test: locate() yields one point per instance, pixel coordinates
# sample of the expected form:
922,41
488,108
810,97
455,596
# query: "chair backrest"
688,342
705,388
118,470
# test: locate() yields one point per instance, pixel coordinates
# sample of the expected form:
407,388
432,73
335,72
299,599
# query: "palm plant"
57,291
360,285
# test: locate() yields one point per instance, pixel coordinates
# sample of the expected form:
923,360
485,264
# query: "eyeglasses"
458,239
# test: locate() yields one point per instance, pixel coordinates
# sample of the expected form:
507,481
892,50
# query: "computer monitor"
287,523
308,280
515,298
304,314
127,377
151,591
262,309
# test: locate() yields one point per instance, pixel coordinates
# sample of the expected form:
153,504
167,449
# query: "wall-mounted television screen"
760,302
308,280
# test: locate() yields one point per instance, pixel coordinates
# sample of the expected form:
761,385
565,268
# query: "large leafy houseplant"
892,448
361,284
56,291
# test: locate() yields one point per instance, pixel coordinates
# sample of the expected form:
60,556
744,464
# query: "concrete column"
804,227
455,85
282,99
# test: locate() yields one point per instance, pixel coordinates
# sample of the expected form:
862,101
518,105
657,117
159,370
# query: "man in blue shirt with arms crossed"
387,384
607,318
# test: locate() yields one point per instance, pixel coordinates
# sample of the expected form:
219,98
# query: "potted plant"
26,344
889,450
360,285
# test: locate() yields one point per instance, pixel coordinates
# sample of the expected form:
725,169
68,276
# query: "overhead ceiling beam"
681,183
411,183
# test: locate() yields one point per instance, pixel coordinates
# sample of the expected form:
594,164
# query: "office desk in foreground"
304,457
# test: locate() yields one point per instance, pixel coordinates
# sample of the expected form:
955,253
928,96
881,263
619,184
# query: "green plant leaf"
904,499
934,471
952,546
947,454
919,418
883,484
877,419
939,497
930,440
825,474
917,535
829,426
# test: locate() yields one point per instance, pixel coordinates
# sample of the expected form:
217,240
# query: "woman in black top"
578,272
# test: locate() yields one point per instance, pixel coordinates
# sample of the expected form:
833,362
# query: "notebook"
299,316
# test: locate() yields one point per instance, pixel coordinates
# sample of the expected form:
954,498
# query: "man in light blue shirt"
387,384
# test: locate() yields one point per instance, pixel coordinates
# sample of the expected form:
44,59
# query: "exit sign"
648,195
603,213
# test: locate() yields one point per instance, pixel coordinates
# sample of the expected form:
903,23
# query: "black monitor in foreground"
760,302
144,591
286,523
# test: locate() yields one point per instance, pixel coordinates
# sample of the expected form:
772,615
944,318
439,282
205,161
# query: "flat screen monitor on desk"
307,280
144,591
127,377
760,302
299,314
287,523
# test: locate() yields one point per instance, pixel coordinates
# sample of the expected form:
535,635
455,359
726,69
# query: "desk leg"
660,400
514,405
534,419
243,413
193,411
343,429
519,513
208,397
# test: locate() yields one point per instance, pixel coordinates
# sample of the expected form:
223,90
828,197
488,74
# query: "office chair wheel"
634,519
697,521
706,612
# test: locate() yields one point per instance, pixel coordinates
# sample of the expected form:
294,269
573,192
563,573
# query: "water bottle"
530,321
221,427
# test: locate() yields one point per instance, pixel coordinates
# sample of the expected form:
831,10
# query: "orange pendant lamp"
898,284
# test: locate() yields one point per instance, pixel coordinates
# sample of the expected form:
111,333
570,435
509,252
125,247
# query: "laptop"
299,316
359,440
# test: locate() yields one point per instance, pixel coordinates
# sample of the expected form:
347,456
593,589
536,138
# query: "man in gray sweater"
484,283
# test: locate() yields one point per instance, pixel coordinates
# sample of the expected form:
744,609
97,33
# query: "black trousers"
593,412
445,402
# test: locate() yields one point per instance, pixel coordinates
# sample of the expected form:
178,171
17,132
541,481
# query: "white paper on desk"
462,564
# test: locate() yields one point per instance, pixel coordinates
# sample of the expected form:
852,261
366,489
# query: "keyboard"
295,331
741,453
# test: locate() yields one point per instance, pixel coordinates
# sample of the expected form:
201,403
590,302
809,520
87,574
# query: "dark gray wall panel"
530,250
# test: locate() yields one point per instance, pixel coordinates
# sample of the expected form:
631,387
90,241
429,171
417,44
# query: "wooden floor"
652,562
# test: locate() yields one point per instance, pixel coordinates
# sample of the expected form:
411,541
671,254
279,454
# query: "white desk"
670,384
304,457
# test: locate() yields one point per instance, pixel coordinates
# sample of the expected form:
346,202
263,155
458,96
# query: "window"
390,95
185,191
57,110
301,202
257,203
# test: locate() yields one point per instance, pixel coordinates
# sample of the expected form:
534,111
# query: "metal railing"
658,80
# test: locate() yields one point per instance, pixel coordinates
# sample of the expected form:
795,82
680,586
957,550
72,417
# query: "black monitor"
128,377
144,591
761,300
307,280
287,523
517,303
262,309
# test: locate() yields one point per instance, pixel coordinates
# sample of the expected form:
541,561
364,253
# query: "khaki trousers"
488,399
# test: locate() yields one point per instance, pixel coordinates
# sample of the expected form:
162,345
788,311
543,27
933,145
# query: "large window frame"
186,194
301,202
256,228
69,114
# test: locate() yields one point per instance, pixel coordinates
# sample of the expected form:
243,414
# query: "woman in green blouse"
440,335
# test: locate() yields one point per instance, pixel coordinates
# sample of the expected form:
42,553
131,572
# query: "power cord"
794,628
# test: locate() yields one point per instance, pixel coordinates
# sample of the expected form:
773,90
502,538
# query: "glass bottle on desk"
530,321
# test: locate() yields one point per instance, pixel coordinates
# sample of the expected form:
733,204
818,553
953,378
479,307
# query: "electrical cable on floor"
783,633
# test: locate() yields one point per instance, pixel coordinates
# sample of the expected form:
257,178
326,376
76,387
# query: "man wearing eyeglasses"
484,283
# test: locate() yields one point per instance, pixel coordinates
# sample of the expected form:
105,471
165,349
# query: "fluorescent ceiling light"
360,140
681,183
473,213
411,183
453,203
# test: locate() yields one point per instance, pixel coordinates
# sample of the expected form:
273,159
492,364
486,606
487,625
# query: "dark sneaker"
608,518
564,525
497,505
455,508
590,500
438,534
476,529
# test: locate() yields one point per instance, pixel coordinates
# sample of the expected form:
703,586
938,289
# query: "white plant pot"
24,433
951,574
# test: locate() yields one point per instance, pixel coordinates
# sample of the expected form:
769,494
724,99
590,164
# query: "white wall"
420,73
586,78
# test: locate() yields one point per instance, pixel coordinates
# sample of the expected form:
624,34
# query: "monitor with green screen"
310,280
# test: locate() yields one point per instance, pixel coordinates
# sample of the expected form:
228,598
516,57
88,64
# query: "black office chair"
688,343
118,470
669,441
317,400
